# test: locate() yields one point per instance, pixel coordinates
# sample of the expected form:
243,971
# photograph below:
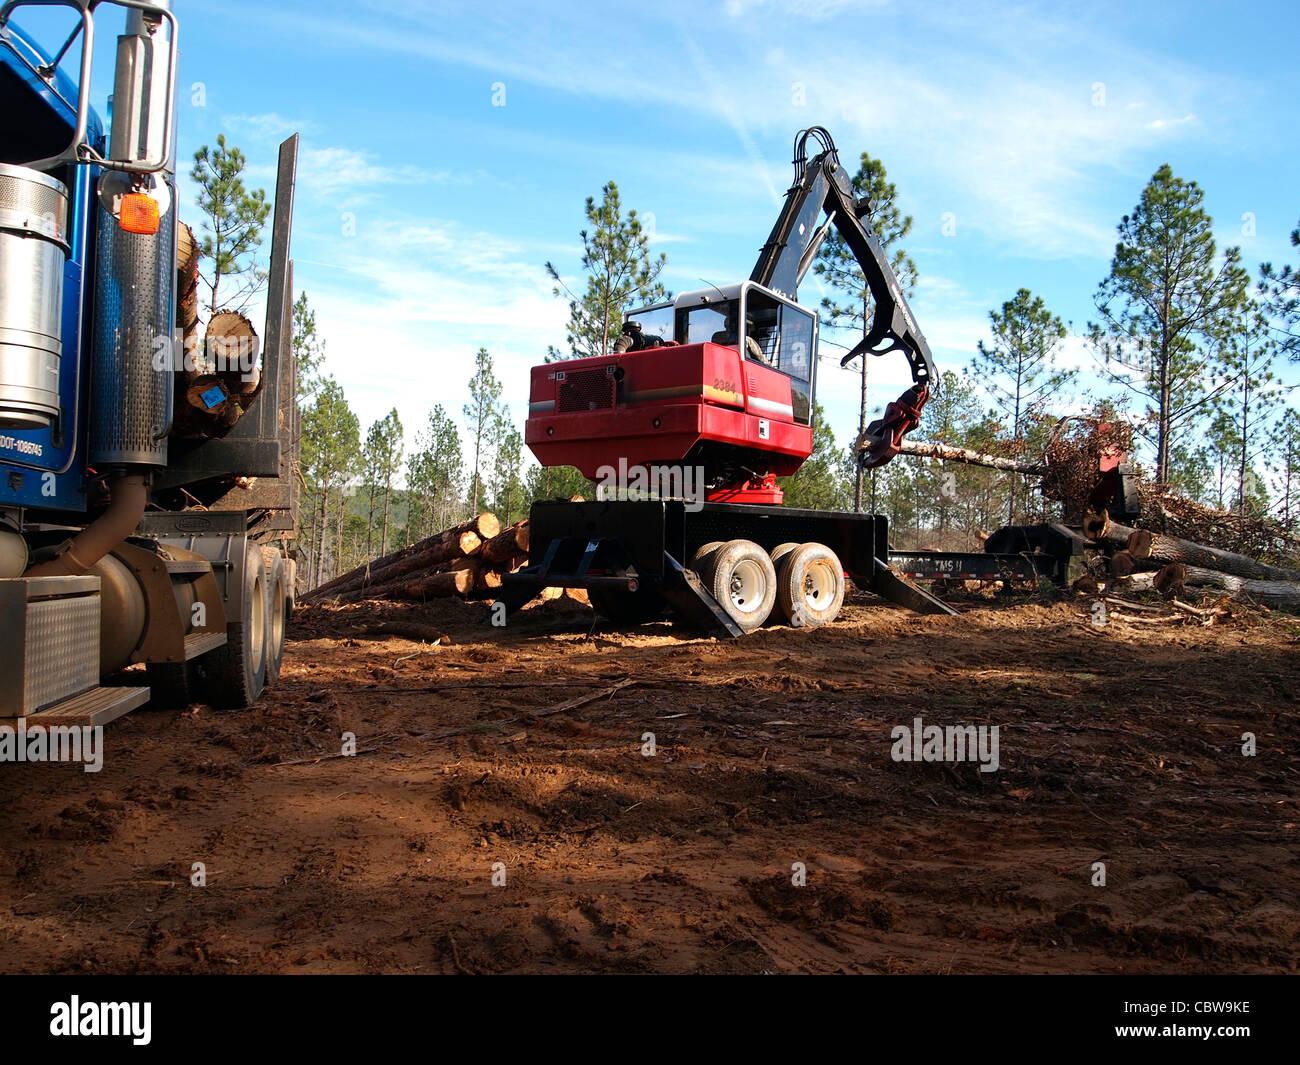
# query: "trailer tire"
277,612
236,673
743,581
628,608
702,560
777,555
779,552
810,586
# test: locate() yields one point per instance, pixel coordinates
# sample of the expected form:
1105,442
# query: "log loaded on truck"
722,382
135,530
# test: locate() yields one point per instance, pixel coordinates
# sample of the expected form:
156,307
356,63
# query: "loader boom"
822,186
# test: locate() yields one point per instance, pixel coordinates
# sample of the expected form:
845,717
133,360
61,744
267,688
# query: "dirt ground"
1120,745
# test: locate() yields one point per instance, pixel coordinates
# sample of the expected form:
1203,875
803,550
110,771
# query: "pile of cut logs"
1142,560
473,556
221,377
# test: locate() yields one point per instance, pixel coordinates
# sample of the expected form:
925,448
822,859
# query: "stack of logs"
221,379
1143,560
473,556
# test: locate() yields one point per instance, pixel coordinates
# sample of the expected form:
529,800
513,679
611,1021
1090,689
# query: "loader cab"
763,326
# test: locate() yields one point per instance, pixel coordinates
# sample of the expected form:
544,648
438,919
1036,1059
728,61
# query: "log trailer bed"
629,556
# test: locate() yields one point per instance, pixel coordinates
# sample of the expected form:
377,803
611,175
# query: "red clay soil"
1120,745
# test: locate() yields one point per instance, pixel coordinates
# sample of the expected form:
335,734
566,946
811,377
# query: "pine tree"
818,484
621,275
942,490
838,266
381,459
232,224
480,415
1286,457
1191,473
1221,448
507,451
1018,369
556,482
1167,307
434,475
308,348
1251,400
330,447
1281,290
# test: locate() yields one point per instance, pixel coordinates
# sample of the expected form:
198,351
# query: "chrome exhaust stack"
134,272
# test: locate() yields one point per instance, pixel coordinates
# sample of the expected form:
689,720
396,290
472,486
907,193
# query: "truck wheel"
810,586
743,582
702,560
236,673
277,611
628,608
172,685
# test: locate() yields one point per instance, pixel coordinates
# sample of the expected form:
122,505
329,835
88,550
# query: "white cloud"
271,126
1170,123
331,170
405,306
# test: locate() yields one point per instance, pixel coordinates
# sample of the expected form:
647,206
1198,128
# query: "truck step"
98,706
200,643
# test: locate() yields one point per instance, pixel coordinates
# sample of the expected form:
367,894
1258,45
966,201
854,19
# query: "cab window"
709,323
783,339
655,321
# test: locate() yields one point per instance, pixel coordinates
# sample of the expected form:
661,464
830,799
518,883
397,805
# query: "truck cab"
128,550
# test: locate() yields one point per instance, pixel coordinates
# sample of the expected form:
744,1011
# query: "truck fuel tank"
33,250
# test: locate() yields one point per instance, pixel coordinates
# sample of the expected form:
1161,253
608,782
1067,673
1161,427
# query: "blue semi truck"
138,562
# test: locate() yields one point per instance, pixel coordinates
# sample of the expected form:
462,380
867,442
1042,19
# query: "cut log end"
1170,580
1122,564
1095,525
1139,543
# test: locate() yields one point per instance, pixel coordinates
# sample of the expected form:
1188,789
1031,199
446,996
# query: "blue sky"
1035,125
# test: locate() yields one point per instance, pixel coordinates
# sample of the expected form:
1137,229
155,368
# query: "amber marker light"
138,214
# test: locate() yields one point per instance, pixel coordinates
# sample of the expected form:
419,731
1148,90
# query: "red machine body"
659,406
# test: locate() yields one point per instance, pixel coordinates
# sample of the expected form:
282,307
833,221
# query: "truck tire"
277,611
810,586
743,581
236,673
702,560
628,608
172,685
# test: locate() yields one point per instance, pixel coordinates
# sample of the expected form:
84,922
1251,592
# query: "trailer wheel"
779,552
810,586
277,616
702,560
236,673
743,581
628,608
